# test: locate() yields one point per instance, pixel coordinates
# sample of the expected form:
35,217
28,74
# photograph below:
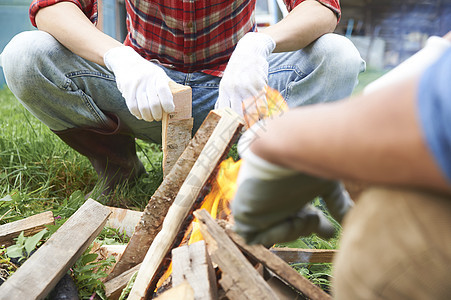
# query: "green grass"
38,172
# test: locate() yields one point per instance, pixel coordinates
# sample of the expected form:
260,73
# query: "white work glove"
415,64
246,73
143,84
272,204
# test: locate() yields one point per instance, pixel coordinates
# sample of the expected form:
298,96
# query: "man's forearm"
304,24
67,23
375,138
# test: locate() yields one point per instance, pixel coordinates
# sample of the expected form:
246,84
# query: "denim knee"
344,55
23,60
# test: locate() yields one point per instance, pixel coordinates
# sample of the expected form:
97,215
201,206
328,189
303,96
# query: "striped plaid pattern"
188,35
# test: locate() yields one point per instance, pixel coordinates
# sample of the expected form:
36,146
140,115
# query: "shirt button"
190,24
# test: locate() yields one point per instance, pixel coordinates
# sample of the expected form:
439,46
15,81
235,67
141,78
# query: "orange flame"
268,104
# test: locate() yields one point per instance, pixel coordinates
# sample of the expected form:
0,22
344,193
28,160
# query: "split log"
114,287
240,279
125,220
177,126
29,226
311,256
216,149
192,263
182,291
42,271
157,208
279,267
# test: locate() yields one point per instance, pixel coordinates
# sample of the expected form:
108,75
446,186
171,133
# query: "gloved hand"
246,73
272,203
143,84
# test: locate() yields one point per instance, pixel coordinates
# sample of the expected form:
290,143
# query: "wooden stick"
29,226
279,267
215,149
177,126
243,280
42,271
114,287
192,263
311,256
158,206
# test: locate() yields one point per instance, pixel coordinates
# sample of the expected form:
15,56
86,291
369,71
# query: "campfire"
182,246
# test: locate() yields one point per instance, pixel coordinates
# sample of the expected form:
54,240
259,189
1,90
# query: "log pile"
221,266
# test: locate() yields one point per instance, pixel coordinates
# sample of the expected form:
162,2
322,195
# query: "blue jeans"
65,91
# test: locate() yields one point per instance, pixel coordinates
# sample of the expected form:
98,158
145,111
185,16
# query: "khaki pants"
396,244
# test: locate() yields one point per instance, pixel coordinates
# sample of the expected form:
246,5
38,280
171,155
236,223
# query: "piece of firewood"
279,267
114,287
176,127
42,271
243,280
158,206
192,263
29,226
216,149
124,220
311,256
183,291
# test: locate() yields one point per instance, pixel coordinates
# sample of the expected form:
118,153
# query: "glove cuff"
261,43
255,166
118,56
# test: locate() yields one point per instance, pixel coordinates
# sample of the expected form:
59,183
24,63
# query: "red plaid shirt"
189,35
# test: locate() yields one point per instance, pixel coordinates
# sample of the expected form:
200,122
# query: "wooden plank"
311,256
215,149
279,267
177,126
114,287
192,263
182,291
125,220
246,281
42,271
158,206
29,226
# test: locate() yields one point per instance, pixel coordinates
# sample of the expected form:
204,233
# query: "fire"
268,104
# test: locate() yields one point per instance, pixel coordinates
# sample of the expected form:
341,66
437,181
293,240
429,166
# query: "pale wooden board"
312,256
125,220
279,267
42,271
243,280
192,263
176,126
219,142
158,206
182,291
29,226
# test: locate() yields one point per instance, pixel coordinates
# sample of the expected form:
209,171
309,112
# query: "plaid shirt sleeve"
334,5
89,8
